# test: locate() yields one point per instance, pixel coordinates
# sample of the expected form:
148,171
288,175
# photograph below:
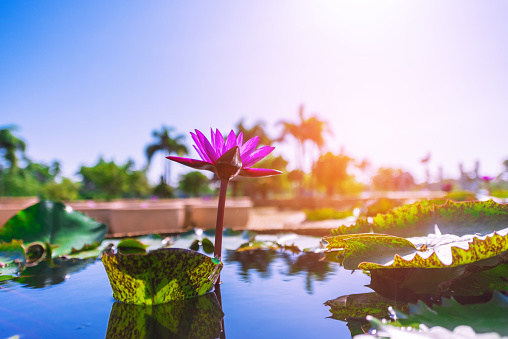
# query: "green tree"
263,187
66,190
331,172
163,190
10,145
107,180
27,181
194,183
20,183
166,144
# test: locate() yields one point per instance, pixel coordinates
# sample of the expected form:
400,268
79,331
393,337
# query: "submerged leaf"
362,305
52,222
160,276
483,318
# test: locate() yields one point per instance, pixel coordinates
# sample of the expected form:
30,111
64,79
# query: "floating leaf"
207,246
12,259
377,251
130,245
198,317
160,276
418,219
195,245
52,222
377,248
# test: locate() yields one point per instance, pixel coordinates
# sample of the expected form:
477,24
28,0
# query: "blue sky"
395,79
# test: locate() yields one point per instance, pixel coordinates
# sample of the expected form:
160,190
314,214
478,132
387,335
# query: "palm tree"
311,129
257,130
166,144
9,145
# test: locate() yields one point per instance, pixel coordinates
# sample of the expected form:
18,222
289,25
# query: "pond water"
264,293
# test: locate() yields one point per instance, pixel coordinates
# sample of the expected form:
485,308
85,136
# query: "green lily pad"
52,222
198,317
361,248
451,251
160,276
12,259
206,244
130,245
418,219
377,251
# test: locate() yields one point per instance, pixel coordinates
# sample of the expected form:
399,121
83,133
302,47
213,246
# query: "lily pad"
418,219
130,245
56,224
198,317
160,276
375,251
12,259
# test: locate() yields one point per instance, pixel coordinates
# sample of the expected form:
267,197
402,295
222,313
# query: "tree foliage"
262,187
331,172
107,180
10,145
164,142
194,183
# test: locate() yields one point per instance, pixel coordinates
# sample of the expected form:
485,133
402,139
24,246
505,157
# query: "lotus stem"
220,218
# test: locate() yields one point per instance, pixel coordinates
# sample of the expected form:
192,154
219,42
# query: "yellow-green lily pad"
160,276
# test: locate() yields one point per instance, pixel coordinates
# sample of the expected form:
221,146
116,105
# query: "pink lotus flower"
228,158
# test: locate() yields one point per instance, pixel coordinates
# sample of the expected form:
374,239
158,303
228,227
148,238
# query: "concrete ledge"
236,215
136,217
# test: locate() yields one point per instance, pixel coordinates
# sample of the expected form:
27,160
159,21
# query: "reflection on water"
260,286
51,272
467,284
260,260
312,264
198,317
253,260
